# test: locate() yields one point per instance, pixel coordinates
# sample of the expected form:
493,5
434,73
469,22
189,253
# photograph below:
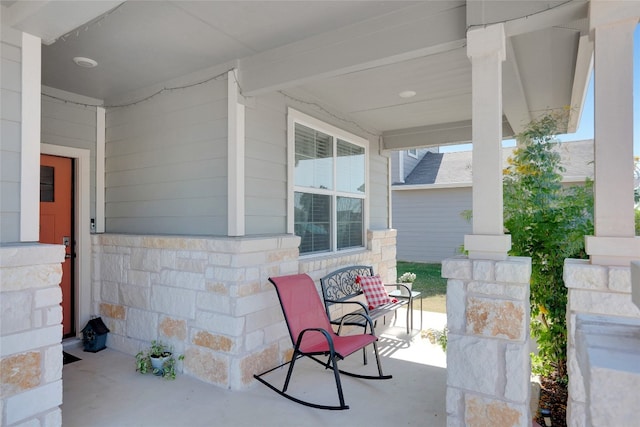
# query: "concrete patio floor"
103,389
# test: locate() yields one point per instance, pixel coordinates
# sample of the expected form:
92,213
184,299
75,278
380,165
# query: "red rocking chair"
312,335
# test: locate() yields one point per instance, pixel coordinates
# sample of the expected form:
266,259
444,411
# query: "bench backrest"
340,285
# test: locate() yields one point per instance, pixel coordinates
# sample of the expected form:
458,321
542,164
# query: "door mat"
69,358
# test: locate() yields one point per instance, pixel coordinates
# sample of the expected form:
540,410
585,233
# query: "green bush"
547,223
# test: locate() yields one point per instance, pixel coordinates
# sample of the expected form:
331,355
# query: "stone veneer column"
488,362
31,335
603,346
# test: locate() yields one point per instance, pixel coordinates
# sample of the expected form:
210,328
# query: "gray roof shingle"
455,168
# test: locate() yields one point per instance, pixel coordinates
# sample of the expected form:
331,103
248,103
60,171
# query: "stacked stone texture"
488,362
30,334
209,297
603,345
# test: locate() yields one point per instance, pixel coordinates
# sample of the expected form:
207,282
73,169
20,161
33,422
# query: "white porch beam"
614,242
30,147
421,30
515,105
584,66
235,158
434,135
486,49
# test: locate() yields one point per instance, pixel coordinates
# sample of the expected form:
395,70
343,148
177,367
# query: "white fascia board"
552,17
432,186
435,135
581,77
404,187
514,101
412,32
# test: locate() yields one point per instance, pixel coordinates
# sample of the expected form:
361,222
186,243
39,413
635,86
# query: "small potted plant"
159,359
406,280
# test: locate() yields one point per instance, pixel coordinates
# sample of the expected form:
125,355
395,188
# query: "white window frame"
413,153
293,117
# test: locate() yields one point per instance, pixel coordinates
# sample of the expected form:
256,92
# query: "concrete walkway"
103,389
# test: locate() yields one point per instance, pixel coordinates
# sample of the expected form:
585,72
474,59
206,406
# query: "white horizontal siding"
429,223
10,142
266,166
378,188
166,163
71,125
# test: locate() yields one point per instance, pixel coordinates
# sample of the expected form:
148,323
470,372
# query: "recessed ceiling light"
407,94
84,62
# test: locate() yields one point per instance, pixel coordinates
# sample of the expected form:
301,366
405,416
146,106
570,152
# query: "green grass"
428,279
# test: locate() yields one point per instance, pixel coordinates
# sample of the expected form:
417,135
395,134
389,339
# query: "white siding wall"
10,139
378,189
266,165
71,125
429,223
166,163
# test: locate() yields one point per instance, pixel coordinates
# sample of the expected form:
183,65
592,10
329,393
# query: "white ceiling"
352,56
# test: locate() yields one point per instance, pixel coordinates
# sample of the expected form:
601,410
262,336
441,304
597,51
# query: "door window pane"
46,184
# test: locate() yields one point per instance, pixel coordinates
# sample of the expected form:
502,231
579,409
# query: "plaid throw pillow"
373,290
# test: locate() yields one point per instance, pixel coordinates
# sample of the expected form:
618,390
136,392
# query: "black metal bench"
340,287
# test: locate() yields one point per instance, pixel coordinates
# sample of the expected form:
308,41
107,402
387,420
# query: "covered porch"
102,389
476,71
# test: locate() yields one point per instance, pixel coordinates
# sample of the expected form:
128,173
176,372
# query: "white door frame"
82,277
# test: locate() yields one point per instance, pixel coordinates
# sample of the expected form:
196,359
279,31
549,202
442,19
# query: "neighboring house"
404,161
430,206
216,144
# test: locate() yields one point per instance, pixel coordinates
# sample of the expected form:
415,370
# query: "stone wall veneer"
488,362
31,335
210,297
603,346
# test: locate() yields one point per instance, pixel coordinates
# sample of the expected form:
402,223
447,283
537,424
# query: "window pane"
312,222
313,158
350,167
46,184
350,222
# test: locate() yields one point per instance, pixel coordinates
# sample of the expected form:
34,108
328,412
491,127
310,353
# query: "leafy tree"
547,222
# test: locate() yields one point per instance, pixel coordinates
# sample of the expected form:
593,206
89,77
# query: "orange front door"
56,218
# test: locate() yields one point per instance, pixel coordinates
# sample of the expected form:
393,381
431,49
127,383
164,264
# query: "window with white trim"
413,153
329,173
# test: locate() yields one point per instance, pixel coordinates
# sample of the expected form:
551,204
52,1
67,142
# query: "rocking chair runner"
312,335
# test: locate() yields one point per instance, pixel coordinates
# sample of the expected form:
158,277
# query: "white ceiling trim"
396,37
51,19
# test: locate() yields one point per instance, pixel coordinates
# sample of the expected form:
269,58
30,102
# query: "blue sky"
585,128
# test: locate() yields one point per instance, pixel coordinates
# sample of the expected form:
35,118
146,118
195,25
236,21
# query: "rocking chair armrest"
326,334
